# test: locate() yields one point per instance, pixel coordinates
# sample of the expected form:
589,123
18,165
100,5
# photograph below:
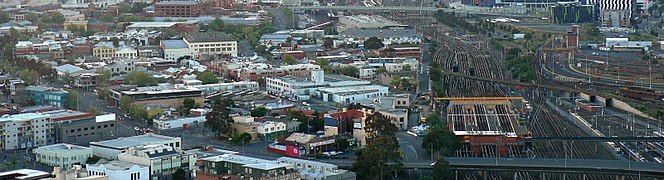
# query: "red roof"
348,114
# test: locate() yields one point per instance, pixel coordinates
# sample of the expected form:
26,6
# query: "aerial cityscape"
331,89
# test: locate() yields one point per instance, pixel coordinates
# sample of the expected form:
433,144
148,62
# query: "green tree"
442,170
381,70
180,174
208,77
348,71
289,59
73,99
139,78
108,17
57,18
245,137
433,119
4,17
379,160
406,67
342,144
259,111
187,104
378,125
125,103
441,140
138,112
32,17
93,110
219,119
373,43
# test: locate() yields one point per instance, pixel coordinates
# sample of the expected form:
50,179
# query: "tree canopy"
373,43
207,77
380,159
378,125
219,119
140,78
441,140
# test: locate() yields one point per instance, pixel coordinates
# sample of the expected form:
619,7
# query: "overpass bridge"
619,168
408,9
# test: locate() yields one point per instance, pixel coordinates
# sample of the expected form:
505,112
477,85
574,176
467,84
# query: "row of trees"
251,33
441,142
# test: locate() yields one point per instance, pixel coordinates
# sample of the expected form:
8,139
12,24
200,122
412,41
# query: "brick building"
177,9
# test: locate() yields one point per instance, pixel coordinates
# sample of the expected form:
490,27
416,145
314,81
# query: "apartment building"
177,9
25,130
211,43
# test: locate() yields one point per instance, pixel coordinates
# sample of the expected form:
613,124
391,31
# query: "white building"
126,52
294,87
313,170
210,43
119,170
269,127
25,130
62,155
228,87
121,66
625,43
162,160
179,123
354,94
174,49
111,148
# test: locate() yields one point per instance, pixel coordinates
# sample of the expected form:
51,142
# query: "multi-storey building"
87,130
177,9
211,43
62,155
166,95
104,50
162,160
174,49
25,131
41,95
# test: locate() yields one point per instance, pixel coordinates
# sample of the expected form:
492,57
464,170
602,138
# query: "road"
423,85
280,20
411,147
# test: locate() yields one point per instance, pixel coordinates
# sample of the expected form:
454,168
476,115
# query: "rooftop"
140,140
23,117
46,89
382,33
249,162
490,117
115,165
177,3
174,44
209,37
62,148
24,174
152,24
68,68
